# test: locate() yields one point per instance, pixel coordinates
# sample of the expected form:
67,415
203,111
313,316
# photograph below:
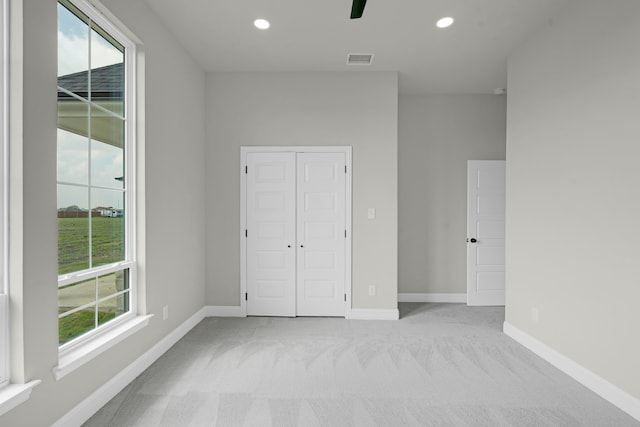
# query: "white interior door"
485,232
270,234
321,230
296,255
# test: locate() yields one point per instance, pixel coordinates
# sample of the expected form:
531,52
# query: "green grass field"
107,246
73,242
78,323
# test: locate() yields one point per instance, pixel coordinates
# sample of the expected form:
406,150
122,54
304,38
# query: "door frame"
471,234
244,150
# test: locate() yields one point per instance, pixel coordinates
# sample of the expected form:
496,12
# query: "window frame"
11,394
4,140
88,339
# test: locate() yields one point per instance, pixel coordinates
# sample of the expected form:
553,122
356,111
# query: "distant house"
109,212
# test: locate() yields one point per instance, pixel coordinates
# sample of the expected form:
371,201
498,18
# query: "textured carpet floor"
440,365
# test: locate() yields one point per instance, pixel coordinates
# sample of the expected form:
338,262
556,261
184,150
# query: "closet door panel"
321,225
270,233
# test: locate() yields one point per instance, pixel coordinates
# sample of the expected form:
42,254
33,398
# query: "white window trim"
4,338
11,395
77,276
4,299
15,394
76,353
4,181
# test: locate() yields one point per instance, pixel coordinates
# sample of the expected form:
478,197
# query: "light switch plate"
371,213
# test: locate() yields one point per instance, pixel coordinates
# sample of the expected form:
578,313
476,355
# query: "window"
11,394
95,164
4,298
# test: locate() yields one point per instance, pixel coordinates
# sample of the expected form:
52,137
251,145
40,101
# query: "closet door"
321,225
271,252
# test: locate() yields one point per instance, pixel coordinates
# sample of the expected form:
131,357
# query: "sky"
73,150
73,45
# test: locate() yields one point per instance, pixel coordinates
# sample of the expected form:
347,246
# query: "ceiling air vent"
359,59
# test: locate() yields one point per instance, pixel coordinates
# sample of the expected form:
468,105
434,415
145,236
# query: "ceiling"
468,57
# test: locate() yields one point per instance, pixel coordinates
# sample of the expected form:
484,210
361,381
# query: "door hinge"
345,297
345,168
246,169
246,296
345,234
246,233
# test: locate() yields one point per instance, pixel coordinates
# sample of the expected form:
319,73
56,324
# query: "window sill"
75,358
15,394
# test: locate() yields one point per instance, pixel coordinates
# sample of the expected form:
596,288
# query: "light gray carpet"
440,365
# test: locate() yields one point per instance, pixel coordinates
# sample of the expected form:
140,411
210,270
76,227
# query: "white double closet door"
296,234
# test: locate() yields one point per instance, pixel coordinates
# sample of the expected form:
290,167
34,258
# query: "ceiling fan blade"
357,8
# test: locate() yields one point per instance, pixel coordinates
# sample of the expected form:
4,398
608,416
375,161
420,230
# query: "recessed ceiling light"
262,24
444,22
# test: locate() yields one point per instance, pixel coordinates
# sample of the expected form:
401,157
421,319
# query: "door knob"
302,246
288,246
472,240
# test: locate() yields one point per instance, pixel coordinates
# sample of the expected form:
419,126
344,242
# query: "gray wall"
356,109
437,135
572,188
175,246
572,175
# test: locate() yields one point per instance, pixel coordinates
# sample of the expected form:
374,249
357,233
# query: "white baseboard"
89,406
592,381
224,311
429,297
373,314
358,314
